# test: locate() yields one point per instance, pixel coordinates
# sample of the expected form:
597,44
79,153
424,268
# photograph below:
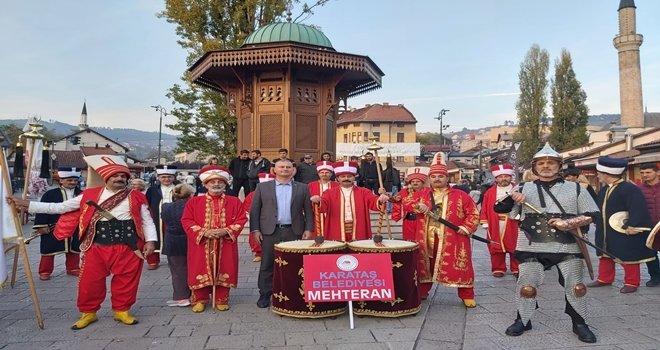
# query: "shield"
653,242
619,222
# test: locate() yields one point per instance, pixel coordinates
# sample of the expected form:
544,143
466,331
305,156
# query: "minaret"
83,118
630,76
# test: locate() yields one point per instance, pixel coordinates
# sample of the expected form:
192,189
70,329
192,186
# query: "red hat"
420,173
104,166
324,165
502,169
438,165
211,172
265,177
345,167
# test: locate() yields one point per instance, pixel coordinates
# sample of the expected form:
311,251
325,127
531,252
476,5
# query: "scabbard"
585,253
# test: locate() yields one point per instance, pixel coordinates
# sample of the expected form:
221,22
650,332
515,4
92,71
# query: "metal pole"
162,111
442,127
160,133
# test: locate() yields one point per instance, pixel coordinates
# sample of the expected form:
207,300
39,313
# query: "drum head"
389,245
618,220
307,245
653,241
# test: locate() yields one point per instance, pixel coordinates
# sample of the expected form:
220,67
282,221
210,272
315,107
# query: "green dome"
287,31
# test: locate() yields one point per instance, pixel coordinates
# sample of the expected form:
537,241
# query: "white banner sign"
396,149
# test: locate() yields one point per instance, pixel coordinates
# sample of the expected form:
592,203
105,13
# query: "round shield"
653,242
619,220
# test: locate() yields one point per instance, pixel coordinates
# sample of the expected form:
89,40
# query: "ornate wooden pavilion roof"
221,70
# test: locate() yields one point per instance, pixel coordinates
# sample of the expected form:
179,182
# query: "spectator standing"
258,165
650,187
238,168
306,170
369,173
175,245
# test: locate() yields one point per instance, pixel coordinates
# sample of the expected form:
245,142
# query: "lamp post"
442,126
162,111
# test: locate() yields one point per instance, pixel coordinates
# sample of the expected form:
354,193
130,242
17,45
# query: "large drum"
289,285
404,271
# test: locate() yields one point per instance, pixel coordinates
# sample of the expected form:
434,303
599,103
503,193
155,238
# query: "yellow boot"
470,303
198,307
85,319
222,307
125,318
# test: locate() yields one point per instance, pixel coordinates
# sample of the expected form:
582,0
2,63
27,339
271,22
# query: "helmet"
547,152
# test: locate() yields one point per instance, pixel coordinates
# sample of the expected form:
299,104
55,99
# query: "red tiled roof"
377,113
70,158
93,151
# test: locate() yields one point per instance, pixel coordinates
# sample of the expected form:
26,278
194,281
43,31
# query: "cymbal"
619,220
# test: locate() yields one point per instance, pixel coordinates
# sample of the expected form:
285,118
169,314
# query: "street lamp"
162,111
442,126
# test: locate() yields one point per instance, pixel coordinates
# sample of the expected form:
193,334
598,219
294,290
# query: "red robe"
507,241
315,190
409,226
446,256
254,245
224,212
332,203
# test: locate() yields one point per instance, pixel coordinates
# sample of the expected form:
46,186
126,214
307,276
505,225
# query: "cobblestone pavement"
620,321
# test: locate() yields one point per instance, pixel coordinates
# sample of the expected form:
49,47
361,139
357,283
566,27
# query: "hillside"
139,142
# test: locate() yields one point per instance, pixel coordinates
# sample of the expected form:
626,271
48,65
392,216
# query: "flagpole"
21,242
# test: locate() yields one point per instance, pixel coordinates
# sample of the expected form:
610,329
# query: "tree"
203,119
569,109
531,103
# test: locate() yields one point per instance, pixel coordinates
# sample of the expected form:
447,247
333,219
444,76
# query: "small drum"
404,271
289,285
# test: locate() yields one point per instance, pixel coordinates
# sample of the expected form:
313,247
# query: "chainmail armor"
566,193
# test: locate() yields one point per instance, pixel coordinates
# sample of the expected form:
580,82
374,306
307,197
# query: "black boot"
584,333
264,300
517,328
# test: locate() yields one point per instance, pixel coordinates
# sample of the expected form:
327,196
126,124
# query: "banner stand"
350,314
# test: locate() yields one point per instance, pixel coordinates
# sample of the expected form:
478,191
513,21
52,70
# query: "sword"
437,217
577,236
108,216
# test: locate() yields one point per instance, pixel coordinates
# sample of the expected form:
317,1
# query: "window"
375,125
366,136
399,137
376,135
357,125
399,159
345,138
353,137
399,125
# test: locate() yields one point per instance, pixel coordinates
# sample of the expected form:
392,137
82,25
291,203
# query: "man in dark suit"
281,211
157,196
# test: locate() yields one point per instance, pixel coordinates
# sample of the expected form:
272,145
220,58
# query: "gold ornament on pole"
381,190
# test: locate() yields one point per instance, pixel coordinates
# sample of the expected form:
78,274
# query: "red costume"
501,229
101,260
316,189
254,245
212,212
446,255
333,203
405,196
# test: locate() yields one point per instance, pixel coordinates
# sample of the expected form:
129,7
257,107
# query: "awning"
647,158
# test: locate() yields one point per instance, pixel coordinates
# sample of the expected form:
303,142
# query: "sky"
463,56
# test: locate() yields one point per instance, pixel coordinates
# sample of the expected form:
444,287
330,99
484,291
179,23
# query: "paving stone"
396,334
231,341
299,338
343,337
78,345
